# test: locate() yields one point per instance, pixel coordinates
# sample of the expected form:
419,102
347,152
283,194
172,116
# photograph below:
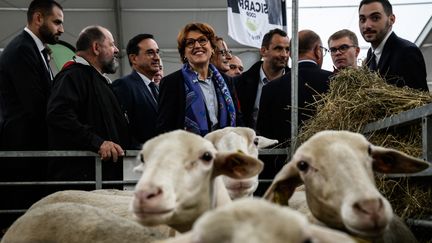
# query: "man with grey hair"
83,112
344,49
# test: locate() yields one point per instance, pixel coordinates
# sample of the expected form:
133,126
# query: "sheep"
336,168
75,223
179,182
254,221
180,179
243,139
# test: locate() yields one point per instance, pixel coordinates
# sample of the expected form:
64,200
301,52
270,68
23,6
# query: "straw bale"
358,97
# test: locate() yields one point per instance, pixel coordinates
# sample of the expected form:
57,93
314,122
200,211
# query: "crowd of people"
81,109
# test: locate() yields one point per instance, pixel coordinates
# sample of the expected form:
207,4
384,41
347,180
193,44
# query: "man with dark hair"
274,119
25,83
344,49
83,112
137,92
275,55
398,60
25,79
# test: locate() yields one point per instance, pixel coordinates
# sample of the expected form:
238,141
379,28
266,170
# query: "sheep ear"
236,165
283,185
392,161
265,142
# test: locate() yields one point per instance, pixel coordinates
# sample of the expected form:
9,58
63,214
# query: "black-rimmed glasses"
342,49
324,50
190,42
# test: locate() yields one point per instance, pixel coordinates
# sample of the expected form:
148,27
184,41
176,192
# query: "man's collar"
380,47
36,39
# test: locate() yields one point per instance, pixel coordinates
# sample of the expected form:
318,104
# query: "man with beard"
275,54
398,60
25,82
83,113
25,79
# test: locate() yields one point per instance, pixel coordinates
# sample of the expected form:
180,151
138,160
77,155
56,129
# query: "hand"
110,150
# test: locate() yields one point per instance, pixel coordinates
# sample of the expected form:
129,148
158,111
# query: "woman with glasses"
197,98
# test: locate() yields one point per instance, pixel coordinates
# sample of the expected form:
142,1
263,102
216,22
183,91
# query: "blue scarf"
196,113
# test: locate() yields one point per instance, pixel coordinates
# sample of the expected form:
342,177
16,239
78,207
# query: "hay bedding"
358,97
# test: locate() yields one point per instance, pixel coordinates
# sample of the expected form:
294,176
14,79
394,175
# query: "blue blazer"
402,63
137,102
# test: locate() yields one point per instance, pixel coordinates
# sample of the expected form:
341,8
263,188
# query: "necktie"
45,52
372,62
154,90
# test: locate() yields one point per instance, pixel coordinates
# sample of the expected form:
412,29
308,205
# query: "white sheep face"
336,168
244,140
179,169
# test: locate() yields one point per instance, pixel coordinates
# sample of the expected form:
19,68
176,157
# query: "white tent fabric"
164,18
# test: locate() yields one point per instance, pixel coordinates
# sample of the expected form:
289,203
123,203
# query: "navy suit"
138,103
246,86
24,89
402,63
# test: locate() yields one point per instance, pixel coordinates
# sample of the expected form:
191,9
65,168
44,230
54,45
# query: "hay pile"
358,97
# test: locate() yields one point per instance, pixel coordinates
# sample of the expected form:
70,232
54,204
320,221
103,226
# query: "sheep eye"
207,156
370,150
303,165
256,140
142,158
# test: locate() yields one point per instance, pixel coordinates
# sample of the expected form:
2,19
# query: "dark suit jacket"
402,63
246,87
172,102
138,103
274,117
24,90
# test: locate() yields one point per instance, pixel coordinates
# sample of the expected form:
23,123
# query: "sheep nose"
371,207
149,194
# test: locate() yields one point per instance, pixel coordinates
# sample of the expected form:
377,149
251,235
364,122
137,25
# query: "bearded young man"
25,83
398,60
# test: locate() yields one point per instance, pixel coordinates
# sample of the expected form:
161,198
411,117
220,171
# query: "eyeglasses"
324,50
152,53
202,41
225,52
342,49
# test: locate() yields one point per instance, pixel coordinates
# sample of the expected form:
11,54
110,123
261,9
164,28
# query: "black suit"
172,102
24,90
402,63
246,87
274,117
139,105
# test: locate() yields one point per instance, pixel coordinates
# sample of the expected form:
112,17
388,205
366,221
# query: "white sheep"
77,223
242,139
336,169
257,221
179,181
178,184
